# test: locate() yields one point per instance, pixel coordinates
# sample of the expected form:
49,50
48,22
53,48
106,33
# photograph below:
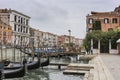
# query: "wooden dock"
56,54
59,64
62,64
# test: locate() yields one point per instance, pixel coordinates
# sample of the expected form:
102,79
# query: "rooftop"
9,11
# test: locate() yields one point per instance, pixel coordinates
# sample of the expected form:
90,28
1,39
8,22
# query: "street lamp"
69,38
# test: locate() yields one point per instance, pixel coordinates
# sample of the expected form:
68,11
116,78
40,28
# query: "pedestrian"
91,51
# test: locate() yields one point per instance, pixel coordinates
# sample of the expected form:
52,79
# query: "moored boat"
16,73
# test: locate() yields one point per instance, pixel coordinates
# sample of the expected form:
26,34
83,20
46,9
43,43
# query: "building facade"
103,21
36,37
5,34
19,23
60,41
108,20
50,39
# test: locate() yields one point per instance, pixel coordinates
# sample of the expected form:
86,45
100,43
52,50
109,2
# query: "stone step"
75,72
78,68
81,65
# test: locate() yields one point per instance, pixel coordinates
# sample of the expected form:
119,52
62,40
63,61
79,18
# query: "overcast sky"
58,16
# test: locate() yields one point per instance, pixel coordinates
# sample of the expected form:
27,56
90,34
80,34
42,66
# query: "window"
15,18
4,27
21,28
4,40
0,33
106,20
91,20
8,16
26,29
110,29
14,27
90,30
114,20
26,22
4,33
21,20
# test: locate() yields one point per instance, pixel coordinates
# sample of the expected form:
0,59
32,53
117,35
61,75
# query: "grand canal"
52,72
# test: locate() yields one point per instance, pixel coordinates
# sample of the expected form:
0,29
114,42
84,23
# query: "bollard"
59,67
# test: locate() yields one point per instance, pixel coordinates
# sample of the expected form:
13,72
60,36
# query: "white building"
19,23
36,37
49,39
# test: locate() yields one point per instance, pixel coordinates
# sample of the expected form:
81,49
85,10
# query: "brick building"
108,20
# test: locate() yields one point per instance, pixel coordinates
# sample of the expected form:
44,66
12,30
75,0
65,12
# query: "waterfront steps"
75,68
95,70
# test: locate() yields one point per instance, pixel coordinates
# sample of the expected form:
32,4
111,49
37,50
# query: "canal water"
52,72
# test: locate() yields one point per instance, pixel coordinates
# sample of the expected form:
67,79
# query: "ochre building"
5,34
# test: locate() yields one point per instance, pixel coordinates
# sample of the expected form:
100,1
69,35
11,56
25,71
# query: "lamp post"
69,38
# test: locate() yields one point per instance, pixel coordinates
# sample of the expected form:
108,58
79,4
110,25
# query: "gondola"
30,65
42,64
33,65
6,62
45,63
15,65
16,73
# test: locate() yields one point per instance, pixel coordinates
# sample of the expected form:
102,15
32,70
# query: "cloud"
58,16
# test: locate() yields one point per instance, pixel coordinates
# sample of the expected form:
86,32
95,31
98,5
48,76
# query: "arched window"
114,20
106,20
91,20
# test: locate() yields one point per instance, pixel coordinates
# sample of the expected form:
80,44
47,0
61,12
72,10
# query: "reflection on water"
48,74
69,59
52,72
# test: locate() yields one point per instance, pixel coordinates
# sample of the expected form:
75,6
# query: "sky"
59,16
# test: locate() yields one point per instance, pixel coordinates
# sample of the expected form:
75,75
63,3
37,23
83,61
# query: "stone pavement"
113,64
100,71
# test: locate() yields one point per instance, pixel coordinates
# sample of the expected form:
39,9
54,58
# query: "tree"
96,25
104,37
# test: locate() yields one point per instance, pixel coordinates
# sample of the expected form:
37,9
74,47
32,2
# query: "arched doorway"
104,46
